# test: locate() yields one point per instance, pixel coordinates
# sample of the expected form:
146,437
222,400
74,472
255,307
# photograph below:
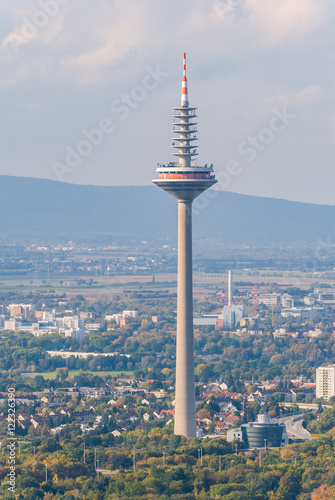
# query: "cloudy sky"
87,90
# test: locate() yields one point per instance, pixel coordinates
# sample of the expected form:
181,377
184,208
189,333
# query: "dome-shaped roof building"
263,433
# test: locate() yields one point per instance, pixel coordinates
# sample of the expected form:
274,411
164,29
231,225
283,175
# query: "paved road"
294,427
306,406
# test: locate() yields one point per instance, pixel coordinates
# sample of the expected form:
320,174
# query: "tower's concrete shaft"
185,422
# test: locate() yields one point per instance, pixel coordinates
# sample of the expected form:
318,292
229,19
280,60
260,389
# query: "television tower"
184,181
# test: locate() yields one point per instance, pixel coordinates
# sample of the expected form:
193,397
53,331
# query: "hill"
43,209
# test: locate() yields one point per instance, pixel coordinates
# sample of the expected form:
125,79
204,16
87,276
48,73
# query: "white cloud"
42,22
262,54
275,21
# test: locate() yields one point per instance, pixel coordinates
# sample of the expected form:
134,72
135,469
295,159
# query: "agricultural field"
74,373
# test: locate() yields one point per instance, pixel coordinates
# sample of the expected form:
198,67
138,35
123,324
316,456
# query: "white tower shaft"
185,421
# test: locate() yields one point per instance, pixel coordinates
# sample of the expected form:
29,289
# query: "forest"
157,464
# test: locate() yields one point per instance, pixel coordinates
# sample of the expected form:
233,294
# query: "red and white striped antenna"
184,89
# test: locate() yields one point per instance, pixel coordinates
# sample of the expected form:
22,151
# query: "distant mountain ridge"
44,209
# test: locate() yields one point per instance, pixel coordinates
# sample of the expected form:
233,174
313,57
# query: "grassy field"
108,286
73,373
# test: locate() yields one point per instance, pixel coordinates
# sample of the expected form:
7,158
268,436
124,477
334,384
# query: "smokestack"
229,288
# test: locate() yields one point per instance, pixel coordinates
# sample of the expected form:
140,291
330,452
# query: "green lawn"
73,373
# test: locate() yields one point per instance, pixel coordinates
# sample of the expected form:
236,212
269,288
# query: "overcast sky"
260,72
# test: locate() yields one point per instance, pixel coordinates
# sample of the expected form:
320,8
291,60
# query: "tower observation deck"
185,181
182,178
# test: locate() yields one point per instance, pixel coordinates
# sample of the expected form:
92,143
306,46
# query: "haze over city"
259,74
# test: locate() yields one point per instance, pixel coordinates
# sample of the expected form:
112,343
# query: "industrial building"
232,315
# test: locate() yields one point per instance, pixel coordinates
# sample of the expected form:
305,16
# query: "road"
294,427
306,406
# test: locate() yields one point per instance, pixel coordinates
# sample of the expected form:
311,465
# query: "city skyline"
264,68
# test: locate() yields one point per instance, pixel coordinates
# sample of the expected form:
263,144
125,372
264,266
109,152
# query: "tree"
289,486
62,374
323,493
203,413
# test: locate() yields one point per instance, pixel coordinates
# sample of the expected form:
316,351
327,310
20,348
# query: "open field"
74,373
106,287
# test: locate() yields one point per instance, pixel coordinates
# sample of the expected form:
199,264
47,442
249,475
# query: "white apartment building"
75,334
325,382
118,316
48,316
70,326
303,312
92,327
280,333
73,322
310,300
22,310
326,298
130,314
11,324
269,299
287,300
320,297
313,333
